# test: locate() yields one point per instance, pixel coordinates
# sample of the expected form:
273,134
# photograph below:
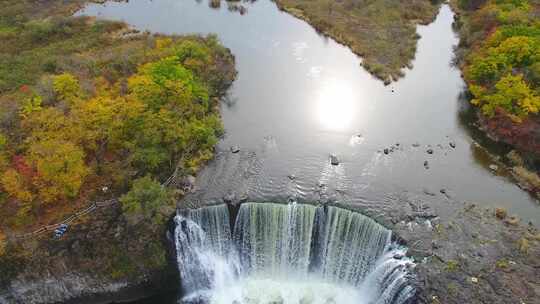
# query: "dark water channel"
300,97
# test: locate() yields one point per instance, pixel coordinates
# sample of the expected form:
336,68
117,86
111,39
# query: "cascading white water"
290,254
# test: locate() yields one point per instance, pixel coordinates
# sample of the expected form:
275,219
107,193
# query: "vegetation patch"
499,55
86,111
452,266
383,32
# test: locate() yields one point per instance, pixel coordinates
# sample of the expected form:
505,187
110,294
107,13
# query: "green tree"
167,82
145,199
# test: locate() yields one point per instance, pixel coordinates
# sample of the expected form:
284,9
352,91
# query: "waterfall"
274,239
205,255
290,254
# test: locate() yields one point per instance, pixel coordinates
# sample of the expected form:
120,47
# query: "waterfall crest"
290,254
274,239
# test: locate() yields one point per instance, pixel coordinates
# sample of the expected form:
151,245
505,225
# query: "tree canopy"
72,138
503,69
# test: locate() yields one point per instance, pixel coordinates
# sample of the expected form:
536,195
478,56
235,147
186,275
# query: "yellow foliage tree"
49,123
67,87
16,186
60,167
162,43
511,93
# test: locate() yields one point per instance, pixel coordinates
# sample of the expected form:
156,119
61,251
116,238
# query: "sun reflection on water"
336,105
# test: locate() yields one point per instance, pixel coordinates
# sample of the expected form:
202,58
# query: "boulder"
334,160
501,213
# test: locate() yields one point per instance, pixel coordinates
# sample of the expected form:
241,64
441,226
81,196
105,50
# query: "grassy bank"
88,107
383,32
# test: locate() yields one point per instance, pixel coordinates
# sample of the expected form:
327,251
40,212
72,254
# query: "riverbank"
383,33
496,53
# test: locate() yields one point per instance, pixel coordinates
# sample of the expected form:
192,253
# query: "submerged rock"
429,151
501,213
513,220
386,151
427,192
235,149
334,160
188,183
426,164
243,198
229,198
452,144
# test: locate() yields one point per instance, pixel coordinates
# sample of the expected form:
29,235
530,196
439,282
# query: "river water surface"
300,97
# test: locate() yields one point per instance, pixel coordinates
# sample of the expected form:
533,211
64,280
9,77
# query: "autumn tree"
502,70
511,93
141,125
17,185
60,168
67,88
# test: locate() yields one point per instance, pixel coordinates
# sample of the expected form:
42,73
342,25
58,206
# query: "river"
301,97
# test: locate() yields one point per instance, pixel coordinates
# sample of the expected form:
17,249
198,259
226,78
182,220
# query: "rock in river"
334,160
235,149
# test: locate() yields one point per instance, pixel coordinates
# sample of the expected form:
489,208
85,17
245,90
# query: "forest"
502,67
89,108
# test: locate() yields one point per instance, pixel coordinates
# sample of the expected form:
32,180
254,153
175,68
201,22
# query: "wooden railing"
92,207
